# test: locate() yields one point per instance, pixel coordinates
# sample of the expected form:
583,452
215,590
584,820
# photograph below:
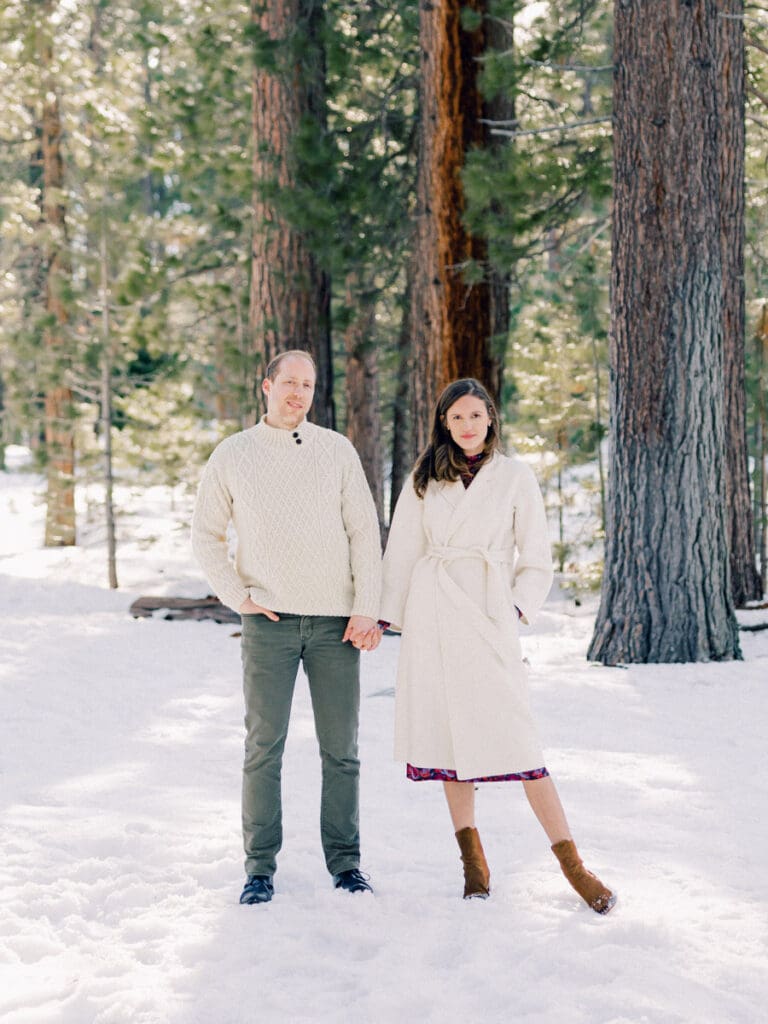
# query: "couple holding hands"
468,557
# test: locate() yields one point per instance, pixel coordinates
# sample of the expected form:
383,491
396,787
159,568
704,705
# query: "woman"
468,556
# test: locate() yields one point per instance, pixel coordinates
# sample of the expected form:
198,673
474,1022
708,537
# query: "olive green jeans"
271,654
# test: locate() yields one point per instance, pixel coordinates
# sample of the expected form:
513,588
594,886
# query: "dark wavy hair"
442,459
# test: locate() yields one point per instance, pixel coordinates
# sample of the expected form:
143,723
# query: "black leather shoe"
352,880
258,889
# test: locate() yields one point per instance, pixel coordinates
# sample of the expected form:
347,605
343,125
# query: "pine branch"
551,103
541,221
509,26
756,46
754,91
586,69
184,275
83,392
581,68
599,224
540,131
742,17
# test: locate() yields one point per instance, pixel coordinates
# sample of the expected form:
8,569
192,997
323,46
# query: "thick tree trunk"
99,53
2,423
598,370
106,411
666,593
454,319
499,37
59,413
745,579
363,396
761,447
290,297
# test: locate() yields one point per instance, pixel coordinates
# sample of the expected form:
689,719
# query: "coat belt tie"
497,583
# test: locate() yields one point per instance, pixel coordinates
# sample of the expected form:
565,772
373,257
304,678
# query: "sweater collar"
279,438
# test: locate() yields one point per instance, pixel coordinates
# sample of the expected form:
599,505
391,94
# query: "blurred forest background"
188,185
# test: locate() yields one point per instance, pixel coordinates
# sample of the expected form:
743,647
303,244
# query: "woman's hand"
363,633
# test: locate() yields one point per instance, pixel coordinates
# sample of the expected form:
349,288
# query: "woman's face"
467,422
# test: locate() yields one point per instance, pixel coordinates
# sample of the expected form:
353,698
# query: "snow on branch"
498,129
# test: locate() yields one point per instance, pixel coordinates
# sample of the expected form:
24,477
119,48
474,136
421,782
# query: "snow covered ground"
120,859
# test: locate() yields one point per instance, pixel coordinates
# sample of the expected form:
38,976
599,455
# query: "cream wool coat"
456,565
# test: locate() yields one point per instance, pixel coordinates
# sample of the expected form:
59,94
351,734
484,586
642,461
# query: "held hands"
249,607
362,633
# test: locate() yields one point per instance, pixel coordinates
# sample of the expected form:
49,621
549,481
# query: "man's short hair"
274,365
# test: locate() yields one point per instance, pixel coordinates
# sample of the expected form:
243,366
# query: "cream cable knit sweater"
307,534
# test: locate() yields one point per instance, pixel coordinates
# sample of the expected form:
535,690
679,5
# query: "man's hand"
362,633
249,607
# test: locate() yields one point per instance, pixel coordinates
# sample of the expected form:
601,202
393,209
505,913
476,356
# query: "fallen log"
178,608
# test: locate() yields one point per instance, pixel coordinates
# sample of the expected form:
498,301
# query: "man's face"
290,394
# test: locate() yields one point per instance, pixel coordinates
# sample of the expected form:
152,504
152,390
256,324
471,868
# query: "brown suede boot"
587,885
477,877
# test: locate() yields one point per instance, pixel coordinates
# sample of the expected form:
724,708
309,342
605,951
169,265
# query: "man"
306,580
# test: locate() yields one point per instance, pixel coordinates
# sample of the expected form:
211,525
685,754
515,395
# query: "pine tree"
451,318
666,592
745,580
371,85
557,354
59,413
290,290
756,274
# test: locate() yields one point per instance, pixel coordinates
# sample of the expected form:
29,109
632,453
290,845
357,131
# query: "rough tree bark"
745,579
106,409
362,390
98,48
499,37
454,320
2,423
761,446
402,450
666,594
59,416
290,299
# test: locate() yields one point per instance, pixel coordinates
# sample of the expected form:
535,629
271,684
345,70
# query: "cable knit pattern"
307,533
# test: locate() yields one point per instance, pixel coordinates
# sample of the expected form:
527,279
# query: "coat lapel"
470,501
451,496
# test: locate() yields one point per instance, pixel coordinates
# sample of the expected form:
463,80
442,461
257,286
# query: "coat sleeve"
362,527
532,573
213,511
406,544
